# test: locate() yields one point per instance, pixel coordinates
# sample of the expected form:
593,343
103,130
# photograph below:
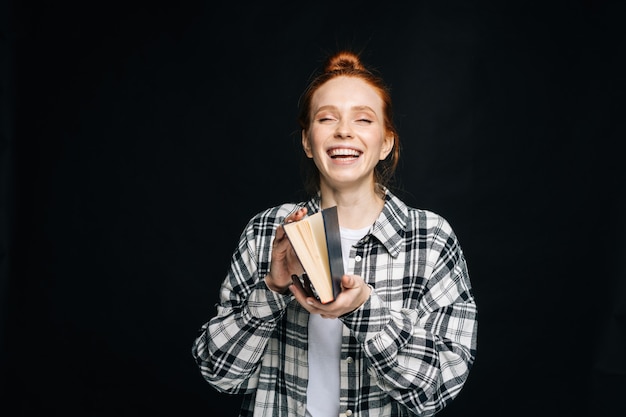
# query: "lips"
343,153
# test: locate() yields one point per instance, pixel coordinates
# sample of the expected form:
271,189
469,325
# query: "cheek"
314,143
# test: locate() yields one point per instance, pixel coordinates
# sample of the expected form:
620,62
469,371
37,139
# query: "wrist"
269,282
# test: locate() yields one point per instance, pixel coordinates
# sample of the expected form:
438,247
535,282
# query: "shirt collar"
389,227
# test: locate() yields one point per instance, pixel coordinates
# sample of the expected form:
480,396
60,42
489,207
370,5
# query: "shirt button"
349,359
348,413
358,258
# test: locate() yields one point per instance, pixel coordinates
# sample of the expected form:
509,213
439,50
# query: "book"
316,240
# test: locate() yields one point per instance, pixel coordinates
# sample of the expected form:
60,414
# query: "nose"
343,130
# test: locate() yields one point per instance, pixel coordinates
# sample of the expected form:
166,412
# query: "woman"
400,338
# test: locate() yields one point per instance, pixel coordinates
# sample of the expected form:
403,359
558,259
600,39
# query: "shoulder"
272,216
416,218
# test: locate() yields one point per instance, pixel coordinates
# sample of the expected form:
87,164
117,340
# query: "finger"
280,233
297,283
308,289
300,297
349,281
296,215
301,213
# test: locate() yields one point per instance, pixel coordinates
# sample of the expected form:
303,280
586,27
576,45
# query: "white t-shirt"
325,348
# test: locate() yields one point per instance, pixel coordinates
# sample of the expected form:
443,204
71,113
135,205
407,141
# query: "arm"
230,346
421,354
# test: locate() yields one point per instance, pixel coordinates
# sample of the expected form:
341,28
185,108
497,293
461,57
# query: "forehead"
347,92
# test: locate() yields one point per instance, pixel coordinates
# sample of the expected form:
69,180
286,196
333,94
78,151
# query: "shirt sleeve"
229,347
422,356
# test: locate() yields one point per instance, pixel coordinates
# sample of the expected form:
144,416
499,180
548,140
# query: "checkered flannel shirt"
406,351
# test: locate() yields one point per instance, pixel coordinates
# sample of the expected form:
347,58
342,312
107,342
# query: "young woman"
400,338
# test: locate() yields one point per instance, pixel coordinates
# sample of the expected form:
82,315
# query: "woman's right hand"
284,260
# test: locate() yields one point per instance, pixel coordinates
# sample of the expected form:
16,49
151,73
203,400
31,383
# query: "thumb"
349,281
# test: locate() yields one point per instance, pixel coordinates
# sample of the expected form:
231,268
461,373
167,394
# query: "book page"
308,239
319,235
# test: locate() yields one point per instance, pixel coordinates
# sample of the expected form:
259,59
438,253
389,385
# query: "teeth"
343,152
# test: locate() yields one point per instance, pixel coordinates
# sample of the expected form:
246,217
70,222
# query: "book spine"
333,244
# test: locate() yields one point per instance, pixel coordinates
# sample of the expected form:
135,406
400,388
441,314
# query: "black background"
139,137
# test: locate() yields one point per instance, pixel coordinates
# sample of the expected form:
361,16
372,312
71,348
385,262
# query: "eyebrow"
354,108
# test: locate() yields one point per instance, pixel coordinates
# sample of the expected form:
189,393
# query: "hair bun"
344,61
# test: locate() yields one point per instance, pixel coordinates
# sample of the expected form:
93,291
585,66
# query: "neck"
356,209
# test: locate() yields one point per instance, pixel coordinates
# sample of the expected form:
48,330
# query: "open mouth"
343,153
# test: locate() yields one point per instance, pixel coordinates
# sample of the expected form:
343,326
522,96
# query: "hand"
284,260
352,296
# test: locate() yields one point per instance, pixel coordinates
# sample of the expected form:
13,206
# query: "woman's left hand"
353,294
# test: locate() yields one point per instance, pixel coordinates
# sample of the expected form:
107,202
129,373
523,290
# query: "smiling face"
347,136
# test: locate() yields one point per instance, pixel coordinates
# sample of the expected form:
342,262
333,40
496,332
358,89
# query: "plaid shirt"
406,351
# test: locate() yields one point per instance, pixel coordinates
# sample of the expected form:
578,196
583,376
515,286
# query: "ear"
387,146
306,144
